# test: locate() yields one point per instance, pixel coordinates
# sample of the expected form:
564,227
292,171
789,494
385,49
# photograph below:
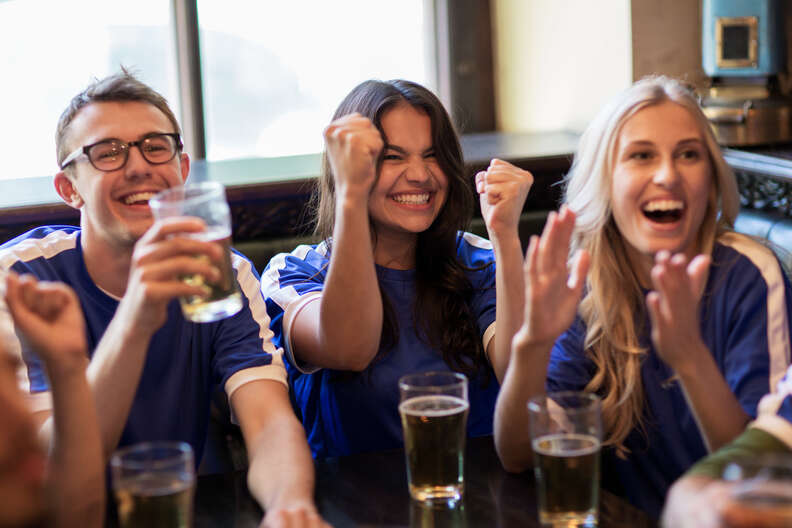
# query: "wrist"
688,365
525,345
67,368
505,240
351,195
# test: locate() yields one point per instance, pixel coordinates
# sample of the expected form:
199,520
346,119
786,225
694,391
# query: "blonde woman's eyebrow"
694,140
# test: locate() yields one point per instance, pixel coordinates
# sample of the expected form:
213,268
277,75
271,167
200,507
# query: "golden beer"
761,504
567,468
152,501
434,442
222,299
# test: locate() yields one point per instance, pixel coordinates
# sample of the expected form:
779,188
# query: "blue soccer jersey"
345,412
185,361
745,324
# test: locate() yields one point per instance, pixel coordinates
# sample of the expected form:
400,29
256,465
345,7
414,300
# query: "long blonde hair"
613,306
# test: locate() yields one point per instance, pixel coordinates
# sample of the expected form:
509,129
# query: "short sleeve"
750,309
243,342
569,368
288,284
476,254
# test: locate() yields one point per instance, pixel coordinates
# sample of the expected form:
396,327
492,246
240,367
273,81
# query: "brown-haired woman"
396,286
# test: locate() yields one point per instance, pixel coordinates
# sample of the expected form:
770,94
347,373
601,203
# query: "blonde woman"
683,324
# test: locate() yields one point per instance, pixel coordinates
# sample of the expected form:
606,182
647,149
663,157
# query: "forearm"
350,316
525,378
281,472
510,298
718,413
76,463
114,374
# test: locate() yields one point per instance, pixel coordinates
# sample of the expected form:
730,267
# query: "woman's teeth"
664,210
412,199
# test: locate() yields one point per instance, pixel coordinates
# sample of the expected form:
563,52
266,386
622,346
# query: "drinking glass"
762,492
154,484
206,201
434,409
566,434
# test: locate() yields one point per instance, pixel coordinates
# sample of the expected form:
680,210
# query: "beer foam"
561,445
435,405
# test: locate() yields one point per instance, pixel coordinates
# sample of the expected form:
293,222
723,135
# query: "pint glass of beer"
154,483
566,433
762,492
434,409
206,201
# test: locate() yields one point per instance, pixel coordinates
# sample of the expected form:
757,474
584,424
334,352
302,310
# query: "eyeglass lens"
113,153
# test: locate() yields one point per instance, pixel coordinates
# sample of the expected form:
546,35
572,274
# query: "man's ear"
67,190
185,166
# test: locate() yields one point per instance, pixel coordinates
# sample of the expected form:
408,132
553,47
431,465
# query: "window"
274,71
52,50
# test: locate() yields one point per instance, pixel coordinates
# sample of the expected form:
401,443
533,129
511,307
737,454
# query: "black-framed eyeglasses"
112,154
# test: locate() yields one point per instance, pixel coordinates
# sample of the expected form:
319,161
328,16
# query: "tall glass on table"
566,433
762,493
154,484
434,409
206,201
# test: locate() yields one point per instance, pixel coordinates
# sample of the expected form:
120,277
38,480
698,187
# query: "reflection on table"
370,490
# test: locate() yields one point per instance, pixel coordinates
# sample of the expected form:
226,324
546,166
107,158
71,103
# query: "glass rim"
180,451
208,190
455,379
535,404
754,464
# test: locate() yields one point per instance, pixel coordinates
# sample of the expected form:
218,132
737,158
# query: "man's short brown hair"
119,87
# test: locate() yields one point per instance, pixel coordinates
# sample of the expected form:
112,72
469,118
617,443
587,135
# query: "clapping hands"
552,291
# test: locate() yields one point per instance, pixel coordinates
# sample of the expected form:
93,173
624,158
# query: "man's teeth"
138,197
663,205
412,199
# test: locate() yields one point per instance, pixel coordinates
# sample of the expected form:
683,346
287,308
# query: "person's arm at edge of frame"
343,330
55,329
281,471
503,189
551,300
695,499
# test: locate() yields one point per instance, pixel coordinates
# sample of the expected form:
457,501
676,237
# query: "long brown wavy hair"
613,306
441,313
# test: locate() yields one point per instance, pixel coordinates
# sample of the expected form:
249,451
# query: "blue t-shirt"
345,412
746,326
185,362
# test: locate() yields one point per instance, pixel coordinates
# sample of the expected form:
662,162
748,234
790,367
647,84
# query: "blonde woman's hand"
502,191
552,292
353,146
673,306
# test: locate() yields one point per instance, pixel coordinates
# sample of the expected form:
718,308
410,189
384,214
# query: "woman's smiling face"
661,183
411,187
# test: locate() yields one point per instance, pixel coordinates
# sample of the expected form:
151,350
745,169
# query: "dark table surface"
370,490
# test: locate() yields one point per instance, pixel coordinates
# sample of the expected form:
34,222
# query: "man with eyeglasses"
152,372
